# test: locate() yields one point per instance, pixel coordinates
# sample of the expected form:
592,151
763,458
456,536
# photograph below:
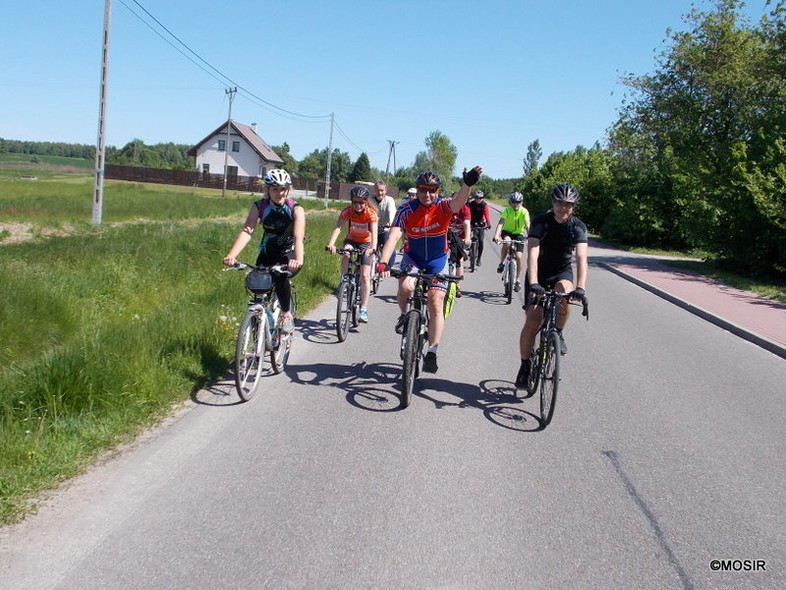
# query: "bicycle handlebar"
276,268
426,275
584,302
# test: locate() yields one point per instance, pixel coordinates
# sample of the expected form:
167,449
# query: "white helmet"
278,177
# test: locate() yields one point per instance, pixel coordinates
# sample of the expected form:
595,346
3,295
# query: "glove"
577,294
534,292
471,178
382,267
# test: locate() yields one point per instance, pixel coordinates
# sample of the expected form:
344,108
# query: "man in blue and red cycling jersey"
425,221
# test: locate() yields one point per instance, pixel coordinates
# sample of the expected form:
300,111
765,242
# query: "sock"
433,348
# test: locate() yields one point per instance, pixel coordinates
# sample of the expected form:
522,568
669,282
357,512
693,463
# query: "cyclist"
481,219
386,210
361,235
553,238
459,239
513,225
284,225
425,221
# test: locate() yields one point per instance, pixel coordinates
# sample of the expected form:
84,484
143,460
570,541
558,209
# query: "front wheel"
343,310
549,383
473,256
250,354
509,278
411,340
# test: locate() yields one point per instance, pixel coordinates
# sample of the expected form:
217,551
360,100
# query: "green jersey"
515,222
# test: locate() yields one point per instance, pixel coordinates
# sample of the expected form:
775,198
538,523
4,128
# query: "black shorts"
520,237
550,278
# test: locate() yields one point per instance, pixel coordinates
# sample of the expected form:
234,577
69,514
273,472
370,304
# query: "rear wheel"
411,356
250,354
282,342
343,310
549,383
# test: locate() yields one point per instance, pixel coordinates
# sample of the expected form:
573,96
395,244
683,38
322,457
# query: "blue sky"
492,76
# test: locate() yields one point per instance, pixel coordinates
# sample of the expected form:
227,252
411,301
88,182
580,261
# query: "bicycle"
545,359
375,276
509,268
260,330
415,332
474,248
348,294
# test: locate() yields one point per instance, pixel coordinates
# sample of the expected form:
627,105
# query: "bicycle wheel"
473,255
534,373
343,310
250,354
355,298
282,343
374,278
549,383
411,348
509,275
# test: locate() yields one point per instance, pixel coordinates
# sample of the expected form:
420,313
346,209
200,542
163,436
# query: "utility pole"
329,158
98,200
231,92
391,152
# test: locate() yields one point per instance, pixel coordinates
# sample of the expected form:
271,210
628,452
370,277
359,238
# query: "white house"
248,153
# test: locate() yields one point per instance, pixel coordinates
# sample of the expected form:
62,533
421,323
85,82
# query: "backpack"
263,203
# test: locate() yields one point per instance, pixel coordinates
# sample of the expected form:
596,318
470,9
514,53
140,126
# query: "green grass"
103,329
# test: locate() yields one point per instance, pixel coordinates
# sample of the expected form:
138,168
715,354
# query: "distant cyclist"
284,225
425,220
386,211
553,238
459,239
361,235
513,225
481,219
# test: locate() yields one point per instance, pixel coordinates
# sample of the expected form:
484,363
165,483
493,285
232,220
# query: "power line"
214,69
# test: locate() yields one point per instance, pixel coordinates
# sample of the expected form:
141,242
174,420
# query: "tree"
533,156
440,156
290,163
314,165
361,170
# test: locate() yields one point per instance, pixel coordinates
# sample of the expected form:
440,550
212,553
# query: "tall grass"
104,329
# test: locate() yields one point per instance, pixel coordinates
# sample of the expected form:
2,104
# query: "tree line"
697,157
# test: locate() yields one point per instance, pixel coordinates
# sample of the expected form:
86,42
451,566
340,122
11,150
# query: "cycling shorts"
408,266
364,260
520,237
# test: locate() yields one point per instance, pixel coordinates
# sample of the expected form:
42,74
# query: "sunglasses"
358,202
431,188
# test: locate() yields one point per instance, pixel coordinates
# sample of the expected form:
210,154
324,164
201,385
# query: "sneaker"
523,375
477,263
430,363
499,268
517,286
363,316
401,324
287,323
563,348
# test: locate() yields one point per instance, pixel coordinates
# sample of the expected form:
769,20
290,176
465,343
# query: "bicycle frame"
348,304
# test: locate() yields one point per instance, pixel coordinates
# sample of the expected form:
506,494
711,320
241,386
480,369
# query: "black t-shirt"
557,241
478,213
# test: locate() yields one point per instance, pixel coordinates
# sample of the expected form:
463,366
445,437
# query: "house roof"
247,133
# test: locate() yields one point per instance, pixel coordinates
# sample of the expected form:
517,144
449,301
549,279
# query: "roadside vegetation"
104,329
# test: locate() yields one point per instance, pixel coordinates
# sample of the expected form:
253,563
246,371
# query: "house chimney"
254,127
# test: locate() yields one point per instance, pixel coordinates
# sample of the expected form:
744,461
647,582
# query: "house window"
231,170
235,146
205,168
222,145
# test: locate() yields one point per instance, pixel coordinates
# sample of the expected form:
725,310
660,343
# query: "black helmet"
516,197
428,178
565,192
359,192
478,194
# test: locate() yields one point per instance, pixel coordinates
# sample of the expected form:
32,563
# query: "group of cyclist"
424,220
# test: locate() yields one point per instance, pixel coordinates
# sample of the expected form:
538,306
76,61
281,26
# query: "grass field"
104,328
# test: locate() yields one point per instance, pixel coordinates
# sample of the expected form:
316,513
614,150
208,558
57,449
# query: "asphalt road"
666,452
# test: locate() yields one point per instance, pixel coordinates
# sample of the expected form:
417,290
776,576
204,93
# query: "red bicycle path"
757,319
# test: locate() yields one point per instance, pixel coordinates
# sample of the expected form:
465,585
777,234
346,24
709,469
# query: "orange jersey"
359,223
